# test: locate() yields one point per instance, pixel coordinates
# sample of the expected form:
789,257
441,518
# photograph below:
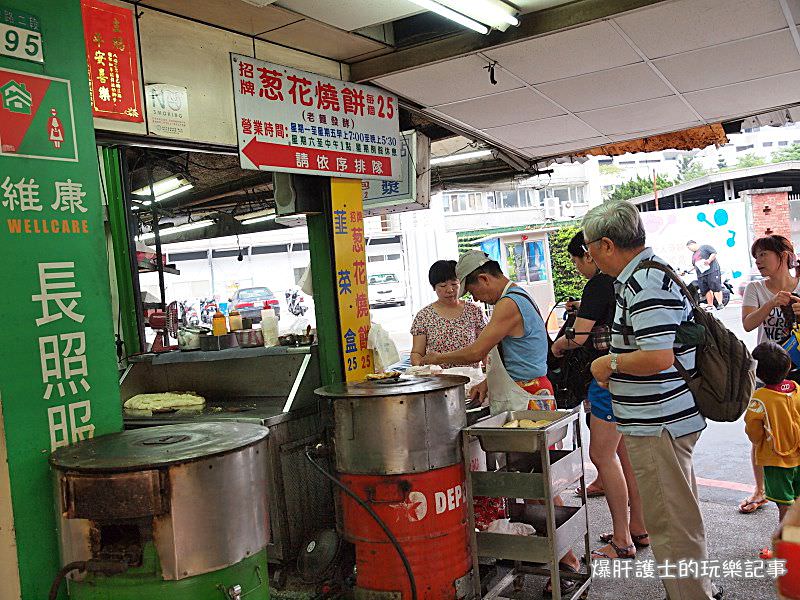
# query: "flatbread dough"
163,400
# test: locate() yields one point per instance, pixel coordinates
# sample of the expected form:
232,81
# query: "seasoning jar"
269,326
235,320
218,324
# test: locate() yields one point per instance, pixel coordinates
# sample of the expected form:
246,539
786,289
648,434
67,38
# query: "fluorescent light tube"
459,157
258,219
486,11
166,188
452,15
178,229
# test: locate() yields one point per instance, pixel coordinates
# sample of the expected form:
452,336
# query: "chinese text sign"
110,40
59,384
298,122
349,249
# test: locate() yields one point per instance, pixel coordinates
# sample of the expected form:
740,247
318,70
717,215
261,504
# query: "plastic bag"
507,527
384,350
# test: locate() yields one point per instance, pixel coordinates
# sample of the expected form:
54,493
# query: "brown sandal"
637,539
622,553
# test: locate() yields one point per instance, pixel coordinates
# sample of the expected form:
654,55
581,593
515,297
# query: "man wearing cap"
516,341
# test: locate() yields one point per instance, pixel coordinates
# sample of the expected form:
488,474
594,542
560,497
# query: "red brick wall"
771,215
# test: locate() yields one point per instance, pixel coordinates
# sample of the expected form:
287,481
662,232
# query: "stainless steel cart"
522,468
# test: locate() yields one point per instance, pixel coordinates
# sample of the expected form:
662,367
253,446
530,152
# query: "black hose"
376,518
62,574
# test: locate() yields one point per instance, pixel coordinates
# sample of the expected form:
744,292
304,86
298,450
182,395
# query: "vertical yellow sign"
349,247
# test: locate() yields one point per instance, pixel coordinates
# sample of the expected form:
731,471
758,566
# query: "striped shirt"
649,310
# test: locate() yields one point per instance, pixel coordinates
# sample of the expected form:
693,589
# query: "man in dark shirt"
709,275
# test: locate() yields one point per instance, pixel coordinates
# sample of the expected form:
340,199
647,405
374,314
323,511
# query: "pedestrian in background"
709,274
655,409
770,305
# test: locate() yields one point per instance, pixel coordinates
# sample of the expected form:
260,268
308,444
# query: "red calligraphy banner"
112,62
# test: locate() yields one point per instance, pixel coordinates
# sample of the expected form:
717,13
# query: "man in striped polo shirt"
653,406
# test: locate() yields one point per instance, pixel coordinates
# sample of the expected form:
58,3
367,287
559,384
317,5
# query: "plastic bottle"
218,324
269,326
235,320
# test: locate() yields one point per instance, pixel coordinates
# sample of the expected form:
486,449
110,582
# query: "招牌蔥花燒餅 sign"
298,122
59,383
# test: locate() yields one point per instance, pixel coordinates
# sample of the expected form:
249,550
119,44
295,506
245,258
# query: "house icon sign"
16,98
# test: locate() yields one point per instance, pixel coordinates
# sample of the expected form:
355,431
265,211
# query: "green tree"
689,168
786,154
638,187
749,160
567,282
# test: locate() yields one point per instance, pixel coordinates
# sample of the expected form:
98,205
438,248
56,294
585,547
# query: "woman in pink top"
449,323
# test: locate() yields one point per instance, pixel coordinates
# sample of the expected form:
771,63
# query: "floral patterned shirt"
448,335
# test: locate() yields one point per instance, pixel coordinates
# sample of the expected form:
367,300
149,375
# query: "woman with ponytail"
772,306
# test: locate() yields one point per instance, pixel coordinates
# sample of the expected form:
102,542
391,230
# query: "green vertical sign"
58,376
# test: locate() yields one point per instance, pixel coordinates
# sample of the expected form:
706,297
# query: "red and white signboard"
298,122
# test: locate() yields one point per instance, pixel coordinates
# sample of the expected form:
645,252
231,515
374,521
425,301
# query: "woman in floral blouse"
449,323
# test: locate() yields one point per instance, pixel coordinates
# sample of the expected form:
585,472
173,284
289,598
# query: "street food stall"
270,387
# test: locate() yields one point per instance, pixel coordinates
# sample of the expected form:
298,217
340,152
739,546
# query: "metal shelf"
529,470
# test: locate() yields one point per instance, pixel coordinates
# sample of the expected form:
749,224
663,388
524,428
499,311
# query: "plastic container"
235,320
219,325
269,326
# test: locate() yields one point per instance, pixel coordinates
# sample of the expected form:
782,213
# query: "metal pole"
134,267
159,258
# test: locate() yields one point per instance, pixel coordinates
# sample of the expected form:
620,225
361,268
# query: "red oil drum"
398,448
427,514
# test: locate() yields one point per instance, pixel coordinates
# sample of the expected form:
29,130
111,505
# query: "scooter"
294,302
690,279
208,306
188,313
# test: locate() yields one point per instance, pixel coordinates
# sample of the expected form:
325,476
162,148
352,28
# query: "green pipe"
123,261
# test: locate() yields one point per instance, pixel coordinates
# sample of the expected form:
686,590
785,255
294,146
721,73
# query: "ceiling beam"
531,25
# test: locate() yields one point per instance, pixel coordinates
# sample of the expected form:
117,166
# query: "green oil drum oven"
177,511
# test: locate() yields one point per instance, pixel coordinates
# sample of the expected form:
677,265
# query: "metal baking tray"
494,437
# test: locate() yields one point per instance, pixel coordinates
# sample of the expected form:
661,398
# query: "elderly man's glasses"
586,245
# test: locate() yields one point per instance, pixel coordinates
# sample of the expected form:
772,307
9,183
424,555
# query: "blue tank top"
525,357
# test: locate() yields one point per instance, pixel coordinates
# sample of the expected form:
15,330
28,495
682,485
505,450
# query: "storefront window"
526,261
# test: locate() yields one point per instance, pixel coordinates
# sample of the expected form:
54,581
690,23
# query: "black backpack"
725,373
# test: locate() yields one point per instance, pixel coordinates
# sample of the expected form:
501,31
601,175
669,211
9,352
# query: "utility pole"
655,188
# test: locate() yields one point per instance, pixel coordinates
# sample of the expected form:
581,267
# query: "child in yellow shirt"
772,423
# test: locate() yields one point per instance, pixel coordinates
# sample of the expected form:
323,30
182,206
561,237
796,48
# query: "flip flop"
637,539
748,506
567,585
625,553
589,494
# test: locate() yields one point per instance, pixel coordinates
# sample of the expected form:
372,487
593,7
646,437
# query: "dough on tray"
164,400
